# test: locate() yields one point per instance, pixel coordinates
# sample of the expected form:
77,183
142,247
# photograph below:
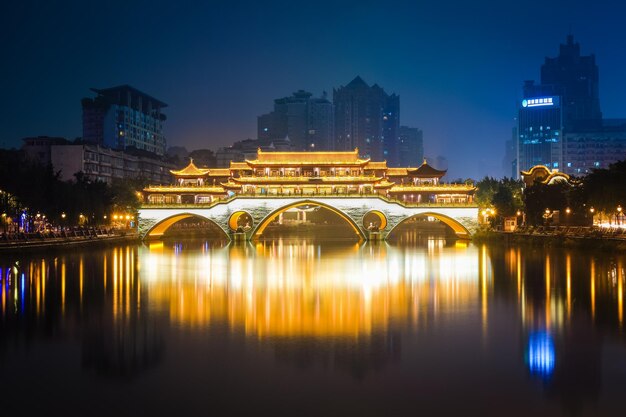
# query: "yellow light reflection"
81,278
548,292
593,288
620,293
483,286
568,276
63,287
282,289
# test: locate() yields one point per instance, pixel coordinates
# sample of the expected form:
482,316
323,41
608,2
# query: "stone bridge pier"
154,220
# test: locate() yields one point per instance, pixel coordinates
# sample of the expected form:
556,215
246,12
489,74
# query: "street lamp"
568,210
619,214
546,215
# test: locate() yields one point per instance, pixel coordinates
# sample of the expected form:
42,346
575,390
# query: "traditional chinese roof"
425,171
184,189
542,174
307,158
376,165
239,165
219,172
306,180
190,170
447,188
396,172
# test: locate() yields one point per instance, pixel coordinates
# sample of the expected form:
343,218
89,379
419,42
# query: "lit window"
569,164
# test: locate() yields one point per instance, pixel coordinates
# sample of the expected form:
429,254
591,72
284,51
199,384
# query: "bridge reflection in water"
282,289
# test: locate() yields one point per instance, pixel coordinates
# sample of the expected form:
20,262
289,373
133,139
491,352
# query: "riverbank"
40,242
582,237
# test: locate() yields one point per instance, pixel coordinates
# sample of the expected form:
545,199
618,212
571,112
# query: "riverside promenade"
78,236
583,236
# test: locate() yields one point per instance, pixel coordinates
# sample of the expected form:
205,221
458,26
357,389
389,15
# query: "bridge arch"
158,229
458,228
258,230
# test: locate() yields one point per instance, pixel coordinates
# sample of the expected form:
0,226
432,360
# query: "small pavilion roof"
426,171
190,170
544,175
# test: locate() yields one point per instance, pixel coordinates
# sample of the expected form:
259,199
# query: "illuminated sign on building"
540,102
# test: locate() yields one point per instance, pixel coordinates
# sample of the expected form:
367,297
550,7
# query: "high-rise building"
560,123
540,130
306,121
411,146
369,119
124,117
575,78
391,131
321,133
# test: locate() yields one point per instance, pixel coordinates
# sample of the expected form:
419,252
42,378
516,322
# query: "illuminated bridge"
366,215
243,199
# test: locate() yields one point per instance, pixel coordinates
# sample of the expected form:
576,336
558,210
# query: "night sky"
458,66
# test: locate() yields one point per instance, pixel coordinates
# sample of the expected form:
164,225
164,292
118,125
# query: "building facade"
411,146
305,120
540,131
123,117
367,118
95,162
594,149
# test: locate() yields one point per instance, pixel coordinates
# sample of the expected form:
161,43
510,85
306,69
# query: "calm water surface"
301,328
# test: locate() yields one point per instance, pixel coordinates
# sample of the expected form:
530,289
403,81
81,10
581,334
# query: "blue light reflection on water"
22,294
540,354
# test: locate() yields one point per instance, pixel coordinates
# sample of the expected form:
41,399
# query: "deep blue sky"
458,66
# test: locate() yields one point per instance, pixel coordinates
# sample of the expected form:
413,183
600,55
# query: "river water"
302,328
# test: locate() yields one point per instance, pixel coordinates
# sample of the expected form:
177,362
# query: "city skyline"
460,76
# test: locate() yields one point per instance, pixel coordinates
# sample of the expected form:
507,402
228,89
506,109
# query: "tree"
486,188
605,189
539,197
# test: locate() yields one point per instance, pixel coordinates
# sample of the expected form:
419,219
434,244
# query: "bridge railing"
225,200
